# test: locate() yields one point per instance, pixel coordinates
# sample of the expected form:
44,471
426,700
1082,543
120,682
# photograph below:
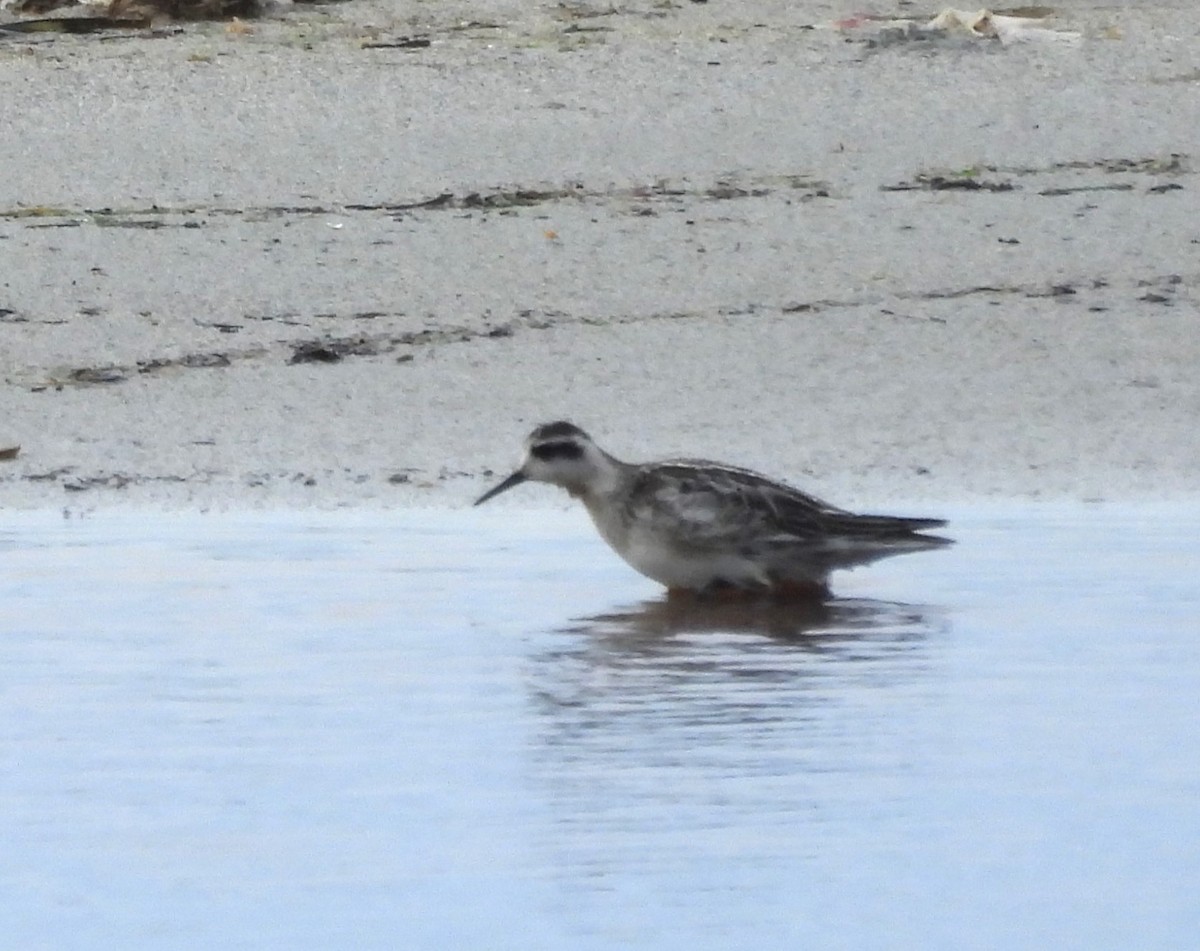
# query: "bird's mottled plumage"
698,525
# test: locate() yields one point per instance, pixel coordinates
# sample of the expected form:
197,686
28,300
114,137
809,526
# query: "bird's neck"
605,480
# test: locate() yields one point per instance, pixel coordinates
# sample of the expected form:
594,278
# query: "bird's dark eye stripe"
556,450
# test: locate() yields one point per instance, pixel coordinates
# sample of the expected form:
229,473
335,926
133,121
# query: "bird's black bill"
515,479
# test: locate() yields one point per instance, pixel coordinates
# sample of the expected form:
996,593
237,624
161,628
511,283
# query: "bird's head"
561,454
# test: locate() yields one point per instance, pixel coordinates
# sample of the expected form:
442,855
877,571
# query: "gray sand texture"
310,263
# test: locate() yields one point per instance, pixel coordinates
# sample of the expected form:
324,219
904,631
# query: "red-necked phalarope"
703,526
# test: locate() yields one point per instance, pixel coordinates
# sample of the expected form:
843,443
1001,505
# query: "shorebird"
697,526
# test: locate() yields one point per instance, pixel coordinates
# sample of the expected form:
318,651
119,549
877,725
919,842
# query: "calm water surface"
458,729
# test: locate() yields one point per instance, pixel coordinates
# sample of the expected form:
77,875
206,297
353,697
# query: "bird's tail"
886,526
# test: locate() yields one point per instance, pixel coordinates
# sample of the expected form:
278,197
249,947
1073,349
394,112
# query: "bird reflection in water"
807,625
676,735
724,661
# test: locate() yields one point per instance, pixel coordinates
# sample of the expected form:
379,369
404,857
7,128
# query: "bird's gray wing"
708,506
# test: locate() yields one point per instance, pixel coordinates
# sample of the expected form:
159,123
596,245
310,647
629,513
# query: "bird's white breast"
651,552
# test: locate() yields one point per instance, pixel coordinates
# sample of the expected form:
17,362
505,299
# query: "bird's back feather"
707,505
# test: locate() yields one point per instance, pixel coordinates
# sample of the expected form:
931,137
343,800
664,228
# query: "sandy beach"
314,263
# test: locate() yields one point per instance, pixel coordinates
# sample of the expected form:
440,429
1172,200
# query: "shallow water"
456,729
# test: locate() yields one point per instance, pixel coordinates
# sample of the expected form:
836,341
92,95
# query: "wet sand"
287,268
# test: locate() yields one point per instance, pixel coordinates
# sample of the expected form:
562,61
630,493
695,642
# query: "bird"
706,528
